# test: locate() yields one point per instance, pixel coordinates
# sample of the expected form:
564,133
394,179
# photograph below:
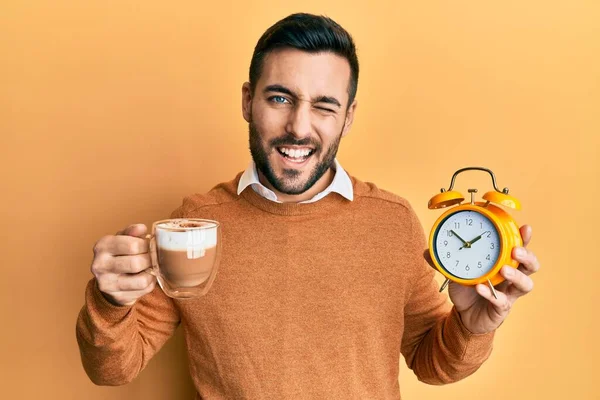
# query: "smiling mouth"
295,155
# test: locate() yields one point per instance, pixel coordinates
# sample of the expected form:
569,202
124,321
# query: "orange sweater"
311,301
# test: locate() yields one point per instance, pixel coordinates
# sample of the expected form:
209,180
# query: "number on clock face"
467,244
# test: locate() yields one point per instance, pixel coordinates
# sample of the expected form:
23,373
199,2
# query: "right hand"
119,266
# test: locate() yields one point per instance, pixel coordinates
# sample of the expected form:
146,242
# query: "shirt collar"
341,184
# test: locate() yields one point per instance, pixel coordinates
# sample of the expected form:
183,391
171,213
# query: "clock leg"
492,289
446,282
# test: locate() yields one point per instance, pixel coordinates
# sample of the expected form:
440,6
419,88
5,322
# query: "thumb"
136,230
525,231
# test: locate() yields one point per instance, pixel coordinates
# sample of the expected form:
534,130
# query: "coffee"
186,252
179,270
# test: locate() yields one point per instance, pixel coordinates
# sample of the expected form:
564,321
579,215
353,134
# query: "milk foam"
194,241
185,223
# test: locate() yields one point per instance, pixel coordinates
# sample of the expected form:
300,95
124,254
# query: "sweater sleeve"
116,342
436,344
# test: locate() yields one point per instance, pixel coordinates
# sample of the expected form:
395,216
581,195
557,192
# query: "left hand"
479,310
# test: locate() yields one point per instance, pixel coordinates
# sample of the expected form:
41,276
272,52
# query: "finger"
133,282
130,264
520,283
136,230
527,259
525,234
129,298
121,245
114,283
500,305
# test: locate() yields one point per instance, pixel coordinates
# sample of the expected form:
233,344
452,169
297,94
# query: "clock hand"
466,244
478,237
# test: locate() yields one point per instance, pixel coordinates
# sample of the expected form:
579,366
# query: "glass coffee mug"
185,255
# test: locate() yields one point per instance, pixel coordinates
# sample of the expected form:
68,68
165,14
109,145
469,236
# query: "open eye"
278,99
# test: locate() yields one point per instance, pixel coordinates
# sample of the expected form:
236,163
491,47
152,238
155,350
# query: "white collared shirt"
341,184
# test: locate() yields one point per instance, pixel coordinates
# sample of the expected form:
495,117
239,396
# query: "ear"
349,118
247,102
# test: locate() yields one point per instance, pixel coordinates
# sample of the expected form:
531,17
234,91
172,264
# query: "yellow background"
112,111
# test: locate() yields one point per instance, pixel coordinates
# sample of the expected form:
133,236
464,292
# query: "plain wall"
112,111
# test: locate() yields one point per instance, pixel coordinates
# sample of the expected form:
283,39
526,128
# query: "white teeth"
295,153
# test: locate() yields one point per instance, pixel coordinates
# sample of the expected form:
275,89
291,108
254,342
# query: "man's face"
297,116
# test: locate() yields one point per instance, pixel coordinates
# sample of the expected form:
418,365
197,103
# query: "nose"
299,122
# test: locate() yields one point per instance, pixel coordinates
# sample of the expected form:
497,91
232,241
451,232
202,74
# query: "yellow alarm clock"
471,242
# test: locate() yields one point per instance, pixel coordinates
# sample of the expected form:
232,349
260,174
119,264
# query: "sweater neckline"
327,203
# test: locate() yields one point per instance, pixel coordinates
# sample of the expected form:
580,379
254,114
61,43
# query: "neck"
318,187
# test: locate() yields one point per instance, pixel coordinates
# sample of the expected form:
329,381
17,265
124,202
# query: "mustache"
288,139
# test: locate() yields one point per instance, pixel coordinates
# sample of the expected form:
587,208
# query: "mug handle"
153,268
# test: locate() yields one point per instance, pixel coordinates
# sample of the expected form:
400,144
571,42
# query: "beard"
290,181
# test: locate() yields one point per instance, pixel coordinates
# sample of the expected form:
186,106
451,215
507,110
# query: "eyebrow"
320,99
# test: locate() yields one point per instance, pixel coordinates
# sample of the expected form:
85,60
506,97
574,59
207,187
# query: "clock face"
467,244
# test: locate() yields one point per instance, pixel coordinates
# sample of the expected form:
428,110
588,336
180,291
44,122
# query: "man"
322,283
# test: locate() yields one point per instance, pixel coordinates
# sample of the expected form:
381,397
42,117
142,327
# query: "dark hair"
310,33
